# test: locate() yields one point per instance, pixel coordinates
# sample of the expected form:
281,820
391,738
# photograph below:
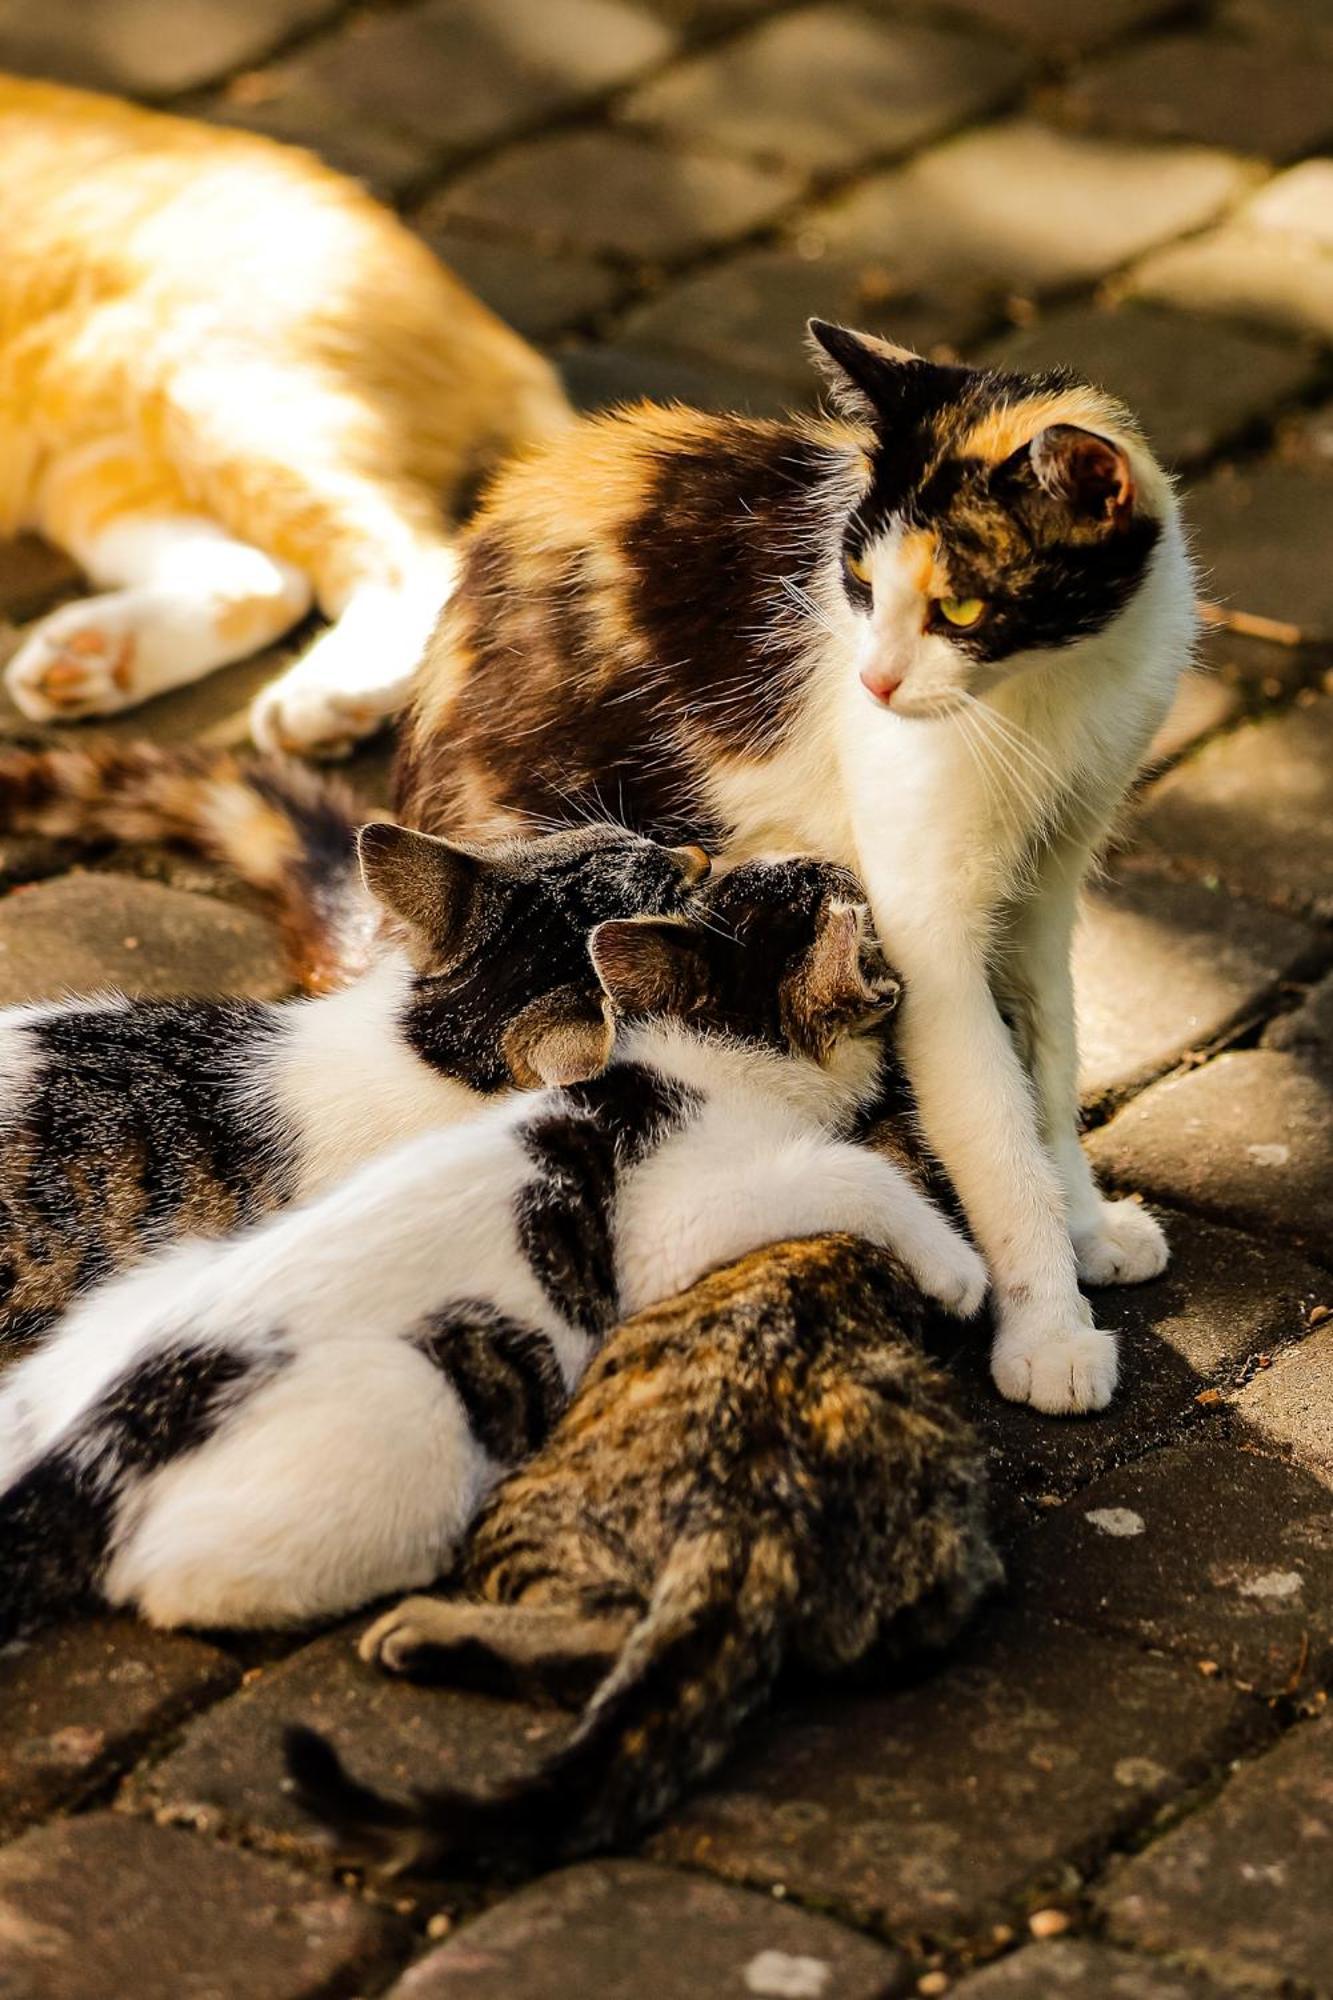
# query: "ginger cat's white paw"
393,1639
78,661
1126,1247
1062,1373
295,719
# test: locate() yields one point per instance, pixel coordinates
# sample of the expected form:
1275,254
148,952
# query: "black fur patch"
505,1375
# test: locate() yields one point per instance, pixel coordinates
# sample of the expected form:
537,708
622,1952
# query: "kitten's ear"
843,981
428,883
1090,474
867,377
648,965
564,1037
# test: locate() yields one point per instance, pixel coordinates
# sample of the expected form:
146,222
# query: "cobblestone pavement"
1123,1784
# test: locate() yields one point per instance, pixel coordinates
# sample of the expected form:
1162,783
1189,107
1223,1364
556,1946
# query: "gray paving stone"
1204,702
1261,671
1076,1969
623,1930
81,1701
1211,1550
288,102
750,312
1193,382
541,295
148,51
1057,30
1240,1889
1308,1029
827,87
105,1906
1017,208
1249,96
928,1814
595,376
612,192
1290,1404
1258,529
1254,810
1247,1138
1164,967
226,1775
84,933
1299,25
462,73
34,576
1224,1298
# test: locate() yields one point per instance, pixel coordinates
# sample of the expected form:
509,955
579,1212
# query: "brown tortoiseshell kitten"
763,1471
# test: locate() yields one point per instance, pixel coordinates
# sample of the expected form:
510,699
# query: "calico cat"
247,388
762,1473
127,1123
285,1425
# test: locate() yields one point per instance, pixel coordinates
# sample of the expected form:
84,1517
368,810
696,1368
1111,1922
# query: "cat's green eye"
857,567
960,611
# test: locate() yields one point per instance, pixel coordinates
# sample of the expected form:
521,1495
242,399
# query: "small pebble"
933,1982
1049,1923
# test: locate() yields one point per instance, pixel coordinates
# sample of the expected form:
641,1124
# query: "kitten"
126,1123
283,1426
762,1473
248,388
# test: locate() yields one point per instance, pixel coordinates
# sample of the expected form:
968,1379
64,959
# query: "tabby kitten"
762,1473
247,389
287,1424
929,638
127,1123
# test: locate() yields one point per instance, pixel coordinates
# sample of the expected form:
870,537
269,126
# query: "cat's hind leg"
533,1652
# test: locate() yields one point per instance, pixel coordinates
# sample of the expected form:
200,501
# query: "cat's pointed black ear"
1091,474
566,1036
428,883
866,376
648,965
843,981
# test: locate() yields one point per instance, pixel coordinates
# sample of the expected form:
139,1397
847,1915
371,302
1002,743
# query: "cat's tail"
702,1658
283,829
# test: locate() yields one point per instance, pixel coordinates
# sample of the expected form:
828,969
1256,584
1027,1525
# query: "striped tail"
702,1658
283,829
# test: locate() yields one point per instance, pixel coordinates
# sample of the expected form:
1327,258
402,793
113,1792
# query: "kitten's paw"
1062,1374
1125,1247
395,1640
79,661
952,1274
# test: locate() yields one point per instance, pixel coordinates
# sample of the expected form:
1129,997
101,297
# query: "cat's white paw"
392,1640
951,1273
1061,1373
78,661
1126,1246
309,721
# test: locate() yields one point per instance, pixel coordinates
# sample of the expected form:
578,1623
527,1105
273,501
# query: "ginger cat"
233,386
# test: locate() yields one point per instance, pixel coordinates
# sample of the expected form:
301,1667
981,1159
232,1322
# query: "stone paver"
1308,1029
1054,28
827,87
84,933
1204,702
80,1702
1257,530
1020,208
622,1930
597,375
1194,383
33,577
104,1907
1210,1550
287,101
1248,1138
1254,811
1163,967
226,1774
1290,1404
1240,1890
1073,1969
613,192
148,51
1248,96
540,296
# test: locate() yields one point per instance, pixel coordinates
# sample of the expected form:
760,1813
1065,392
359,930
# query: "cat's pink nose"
882,682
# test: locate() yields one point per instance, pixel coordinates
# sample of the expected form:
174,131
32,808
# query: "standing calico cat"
246,388
763,1473
126,1123
284,1425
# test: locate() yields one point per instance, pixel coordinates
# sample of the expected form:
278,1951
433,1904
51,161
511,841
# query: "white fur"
350,1471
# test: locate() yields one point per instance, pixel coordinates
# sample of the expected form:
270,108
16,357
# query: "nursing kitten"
247,389
124,1123
282,1426
760,1474
930,638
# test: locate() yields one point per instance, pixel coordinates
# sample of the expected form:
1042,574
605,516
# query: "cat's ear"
428,883
1090,474
867,376
842,982
648,965
564,1037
